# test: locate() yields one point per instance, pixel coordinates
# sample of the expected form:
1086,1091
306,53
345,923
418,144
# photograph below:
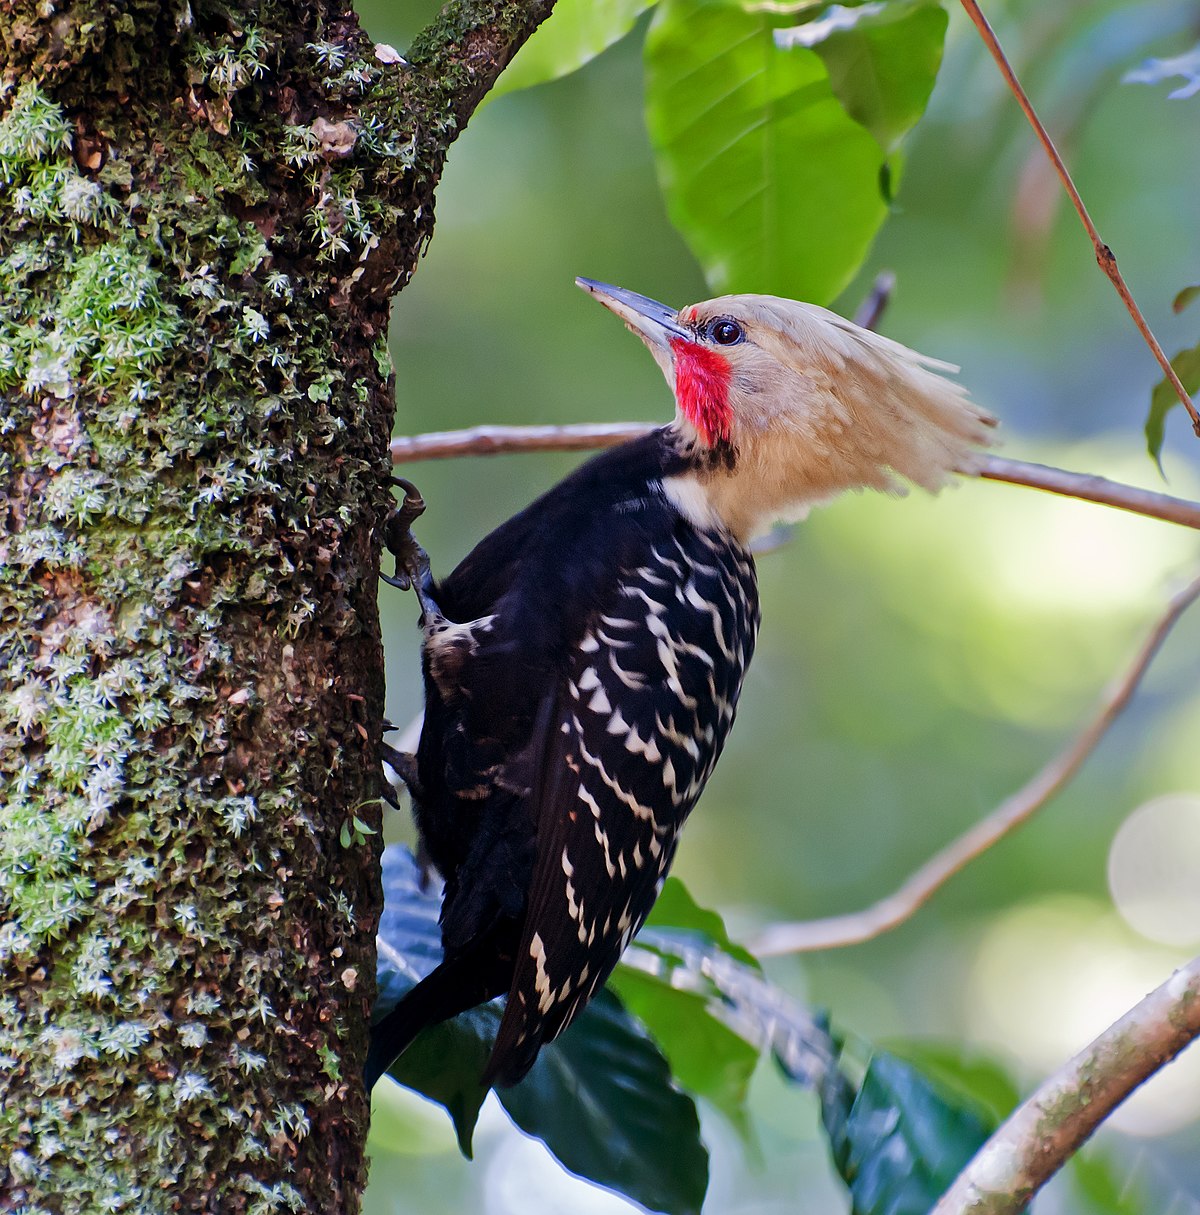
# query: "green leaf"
969,1076
575,33
1157,71
601,1097
1164,399
676,909
445,1063
1184,298
602,1100
707,1057
772,184
882,60
898,1142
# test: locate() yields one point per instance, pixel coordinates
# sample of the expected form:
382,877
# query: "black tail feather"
511,1060
451,988
392,1037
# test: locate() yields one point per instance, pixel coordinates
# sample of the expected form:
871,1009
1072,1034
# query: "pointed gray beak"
654,323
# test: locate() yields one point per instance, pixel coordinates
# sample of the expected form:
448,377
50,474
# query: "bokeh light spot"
1053,974
1153,866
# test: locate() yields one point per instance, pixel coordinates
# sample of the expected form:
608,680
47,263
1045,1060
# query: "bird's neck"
743,490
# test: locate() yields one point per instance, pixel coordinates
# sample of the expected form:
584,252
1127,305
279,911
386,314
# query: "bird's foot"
412,562
388,792
404,765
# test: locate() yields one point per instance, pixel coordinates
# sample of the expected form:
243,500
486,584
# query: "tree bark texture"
204,211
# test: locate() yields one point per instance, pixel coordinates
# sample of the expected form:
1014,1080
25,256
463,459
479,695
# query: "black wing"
627,740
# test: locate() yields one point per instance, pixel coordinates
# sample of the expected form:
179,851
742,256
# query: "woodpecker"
582,665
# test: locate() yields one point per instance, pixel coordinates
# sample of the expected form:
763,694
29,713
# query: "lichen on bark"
203,213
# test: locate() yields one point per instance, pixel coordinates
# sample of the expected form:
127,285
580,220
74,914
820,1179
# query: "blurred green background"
919,659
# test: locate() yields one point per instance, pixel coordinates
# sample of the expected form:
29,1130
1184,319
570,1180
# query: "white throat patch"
690,497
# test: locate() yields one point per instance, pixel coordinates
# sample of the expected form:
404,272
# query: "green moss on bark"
192,460
204,210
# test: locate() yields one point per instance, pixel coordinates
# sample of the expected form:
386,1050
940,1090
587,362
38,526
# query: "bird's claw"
412,562
413,506
404,765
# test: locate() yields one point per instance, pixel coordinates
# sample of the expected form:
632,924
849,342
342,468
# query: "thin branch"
1090,488
837,931
871,310
500,440
1104,255
497,440
456,59
1043,1133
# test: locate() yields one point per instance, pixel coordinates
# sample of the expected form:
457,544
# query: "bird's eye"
726,332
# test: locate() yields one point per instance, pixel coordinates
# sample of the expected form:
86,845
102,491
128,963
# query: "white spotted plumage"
669,650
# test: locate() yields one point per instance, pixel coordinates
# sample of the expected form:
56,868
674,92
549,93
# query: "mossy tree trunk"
204,211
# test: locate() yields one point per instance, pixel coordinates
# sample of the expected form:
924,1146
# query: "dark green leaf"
1164,399
602,1100
836,1093
882,59
445,1063
899,1141
772,184
576,32
971,1077
1157,71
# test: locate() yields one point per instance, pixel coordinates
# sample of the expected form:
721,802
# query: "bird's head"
787,405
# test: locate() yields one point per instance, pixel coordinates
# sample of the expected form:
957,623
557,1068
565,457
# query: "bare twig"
1104,255
837,931
871,310
1091,488
1043,1133
496,440
500,440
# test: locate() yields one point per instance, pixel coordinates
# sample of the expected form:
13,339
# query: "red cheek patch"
702,389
